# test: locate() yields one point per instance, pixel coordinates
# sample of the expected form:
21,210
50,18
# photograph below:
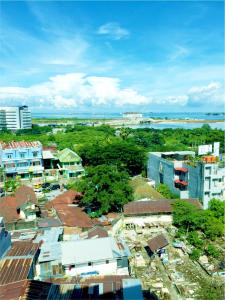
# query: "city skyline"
96,56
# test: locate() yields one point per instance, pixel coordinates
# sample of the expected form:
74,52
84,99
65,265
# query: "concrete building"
21,158
5,239
15,117
132,115
188,176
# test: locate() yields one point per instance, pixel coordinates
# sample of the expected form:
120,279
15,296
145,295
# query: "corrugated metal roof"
157,242
18,249
67,155
148,207
154,206
50,235
13,270
77,252
21,144
50,252
97,231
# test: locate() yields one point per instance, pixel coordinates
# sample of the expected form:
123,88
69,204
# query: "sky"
80,56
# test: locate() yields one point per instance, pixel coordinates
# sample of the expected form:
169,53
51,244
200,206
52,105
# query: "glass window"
35,154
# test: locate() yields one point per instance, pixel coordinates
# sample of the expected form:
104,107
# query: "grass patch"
142,189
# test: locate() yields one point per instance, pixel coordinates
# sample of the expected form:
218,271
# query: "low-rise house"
157,243
22,206
67,163
70,163
101,256
151,212
21,158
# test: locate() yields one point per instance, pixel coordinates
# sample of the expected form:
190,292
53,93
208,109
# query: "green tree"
195,240
218,208
105,189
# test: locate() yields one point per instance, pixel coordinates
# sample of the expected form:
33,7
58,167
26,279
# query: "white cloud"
113,30
71,90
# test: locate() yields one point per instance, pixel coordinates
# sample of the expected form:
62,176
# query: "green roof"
67,155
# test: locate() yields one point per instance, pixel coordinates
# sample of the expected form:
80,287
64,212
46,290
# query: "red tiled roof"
73,216
157,243
21,144
69,197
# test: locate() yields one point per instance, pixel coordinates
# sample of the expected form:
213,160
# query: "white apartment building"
15,117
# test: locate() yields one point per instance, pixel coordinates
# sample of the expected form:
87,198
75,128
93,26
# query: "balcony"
181,169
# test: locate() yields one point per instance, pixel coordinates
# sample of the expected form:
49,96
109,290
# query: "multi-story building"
188,176
15,117
21,158
132,115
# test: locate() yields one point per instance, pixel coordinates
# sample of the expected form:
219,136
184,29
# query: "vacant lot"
143,190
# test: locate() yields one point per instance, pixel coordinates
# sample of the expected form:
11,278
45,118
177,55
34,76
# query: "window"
107,261
35,154
9,155
22,154
90,264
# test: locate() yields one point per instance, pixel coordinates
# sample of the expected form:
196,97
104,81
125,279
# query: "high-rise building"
188,176
15,117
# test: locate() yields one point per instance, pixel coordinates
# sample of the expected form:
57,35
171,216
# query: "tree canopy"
105,189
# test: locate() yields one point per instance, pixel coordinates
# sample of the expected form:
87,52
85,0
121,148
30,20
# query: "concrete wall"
5,241
149,220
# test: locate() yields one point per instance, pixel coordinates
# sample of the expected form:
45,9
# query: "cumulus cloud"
80,90
71,90
113,30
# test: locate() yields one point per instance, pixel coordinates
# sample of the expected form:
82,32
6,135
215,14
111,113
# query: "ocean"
162,115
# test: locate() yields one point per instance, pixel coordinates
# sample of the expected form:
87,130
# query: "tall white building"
15,117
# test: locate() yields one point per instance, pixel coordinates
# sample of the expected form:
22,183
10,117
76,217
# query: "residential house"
151,213
72,258
22,159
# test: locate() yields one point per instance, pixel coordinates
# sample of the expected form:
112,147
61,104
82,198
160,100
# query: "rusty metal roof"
157,242
27,248
97,231
21,144
14,270
12,291
148,207
154,206
73,216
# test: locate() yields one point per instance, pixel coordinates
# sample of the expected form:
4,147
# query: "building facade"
21,158
188,177
15,117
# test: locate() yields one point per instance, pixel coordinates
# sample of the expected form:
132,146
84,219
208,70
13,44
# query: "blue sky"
101,56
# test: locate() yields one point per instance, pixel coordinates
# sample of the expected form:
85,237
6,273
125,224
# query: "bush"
165,191
212,251
194,239
195,254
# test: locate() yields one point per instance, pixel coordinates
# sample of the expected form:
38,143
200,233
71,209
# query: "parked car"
54,186
45,185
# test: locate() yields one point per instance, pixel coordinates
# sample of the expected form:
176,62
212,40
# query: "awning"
185,170
181,182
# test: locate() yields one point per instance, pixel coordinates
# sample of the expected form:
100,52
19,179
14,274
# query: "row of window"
23,164
22,154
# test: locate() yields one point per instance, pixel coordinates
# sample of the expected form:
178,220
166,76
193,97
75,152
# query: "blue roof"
132,289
